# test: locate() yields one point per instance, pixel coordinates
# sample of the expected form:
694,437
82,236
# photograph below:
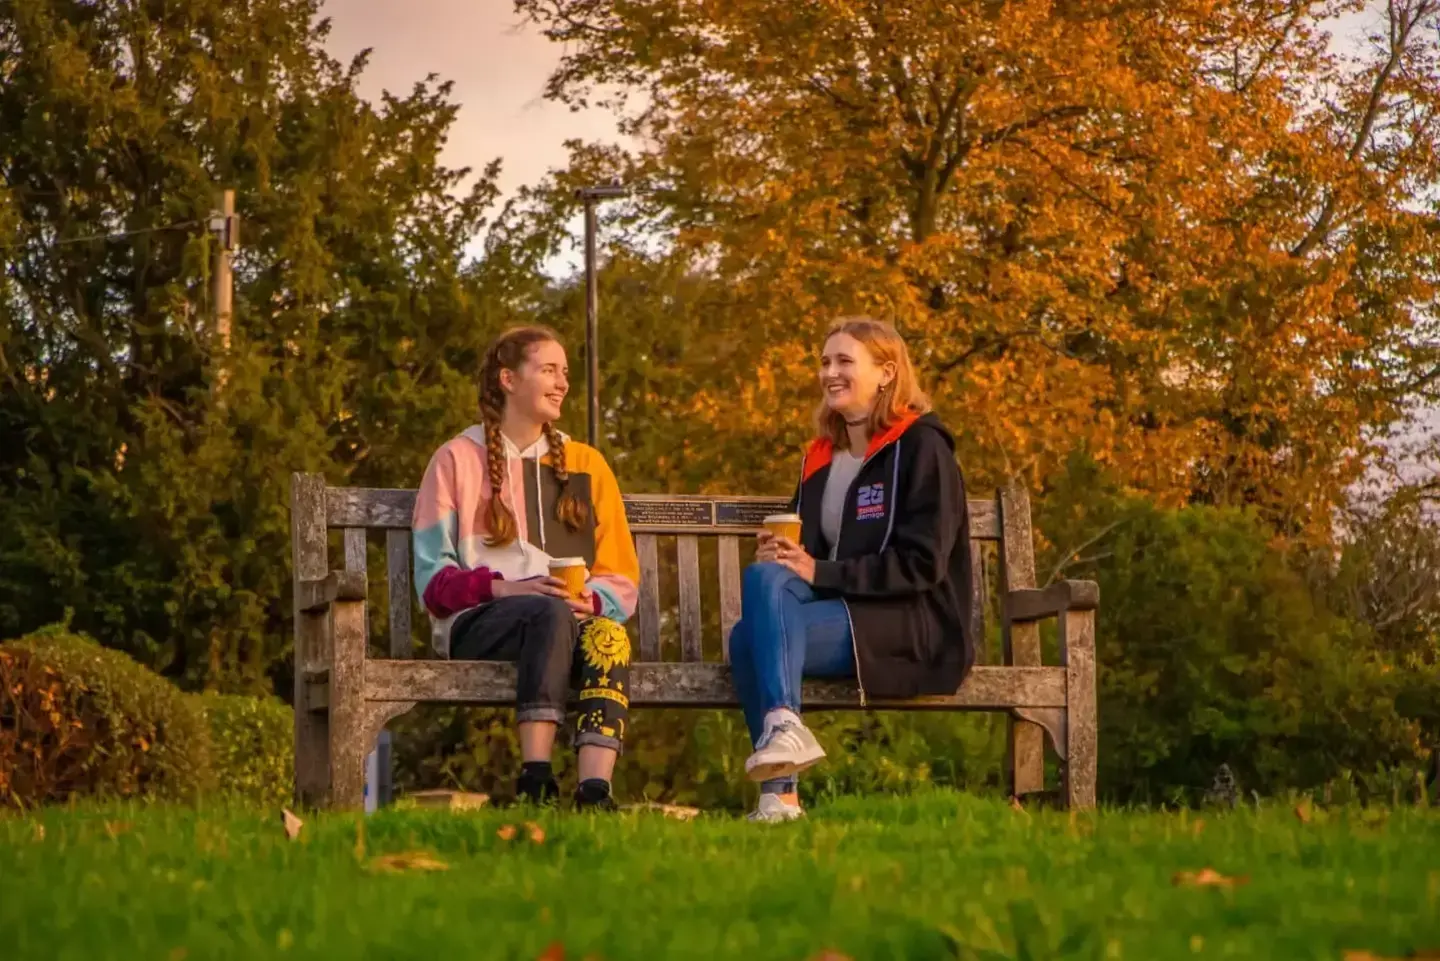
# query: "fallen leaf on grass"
449,800
408,861
1208,878
1304,812
537,833
39,832
1198,827
117,828
1015,805
506,832
292,823
554,952
1412,956
677,811
829,955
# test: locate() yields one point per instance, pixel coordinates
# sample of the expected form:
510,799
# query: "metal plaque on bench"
748,515
676,513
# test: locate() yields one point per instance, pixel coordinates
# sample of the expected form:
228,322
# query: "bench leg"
312,712
348,744
1025,757
1077,641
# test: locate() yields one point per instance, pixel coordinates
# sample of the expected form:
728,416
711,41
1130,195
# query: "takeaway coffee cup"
784,525
571,570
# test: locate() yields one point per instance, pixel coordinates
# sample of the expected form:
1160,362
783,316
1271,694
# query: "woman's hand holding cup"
544,586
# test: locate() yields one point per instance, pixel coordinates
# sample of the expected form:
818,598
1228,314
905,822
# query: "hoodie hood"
822,449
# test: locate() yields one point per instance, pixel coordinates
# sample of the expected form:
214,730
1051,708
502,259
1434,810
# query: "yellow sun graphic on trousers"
605,644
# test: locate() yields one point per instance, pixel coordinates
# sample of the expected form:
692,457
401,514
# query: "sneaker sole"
775,769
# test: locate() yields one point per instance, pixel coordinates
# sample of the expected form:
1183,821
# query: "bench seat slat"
702,685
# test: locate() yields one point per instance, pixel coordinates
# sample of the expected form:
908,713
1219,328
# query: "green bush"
79,720
252,747
1213,650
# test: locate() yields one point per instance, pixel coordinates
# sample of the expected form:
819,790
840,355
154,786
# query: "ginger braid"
569,509
508,352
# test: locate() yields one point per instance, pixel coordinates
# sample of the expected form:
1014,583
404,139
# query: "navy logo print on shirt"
870,502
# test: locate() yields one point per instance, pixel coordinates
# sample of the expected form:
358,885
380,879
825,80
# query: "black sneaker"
532,790
595,796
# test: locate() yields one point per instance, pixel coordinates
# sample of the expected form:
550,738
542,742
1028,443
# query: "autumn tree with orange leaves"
1192,238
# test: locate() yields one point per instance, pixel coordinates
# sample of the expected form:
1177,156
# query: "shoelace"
783,729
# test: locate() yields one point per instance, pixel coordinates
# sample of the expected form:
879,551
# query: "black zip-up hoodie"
903,563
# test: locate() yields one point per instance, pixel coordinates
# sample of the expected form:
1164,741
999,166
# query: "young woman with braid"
498,502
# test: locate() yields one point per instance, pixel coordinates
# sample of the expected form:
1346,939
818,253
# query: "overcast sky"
499,68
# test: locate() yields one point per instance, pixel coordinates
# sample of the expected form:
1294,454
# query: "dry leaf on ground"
1304,812
1015,805
1208,878
1198,827
506,832
291,822
117,828
555,951
829,955
39,833
1371,956
449,800
677,811
537,833
408,861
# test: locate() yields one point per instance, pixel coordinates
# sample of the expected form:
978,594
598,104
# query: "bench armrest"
1023,606
315,596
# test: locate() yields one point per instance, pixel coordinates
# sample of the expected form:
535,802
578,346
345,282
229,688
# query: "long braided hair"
508,352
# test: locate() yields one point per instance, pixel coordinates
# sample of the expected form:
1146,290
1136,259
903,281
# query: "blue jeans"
784,634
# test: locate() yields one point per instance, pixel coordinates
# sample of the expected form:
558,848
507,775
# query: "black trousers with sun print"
554,655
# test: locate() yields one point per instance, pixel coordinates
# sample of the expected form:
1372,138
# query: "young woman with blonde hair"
498,502
878,587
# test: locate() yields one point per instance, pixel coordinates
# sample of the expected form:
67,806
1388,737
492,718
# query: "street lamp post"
590,196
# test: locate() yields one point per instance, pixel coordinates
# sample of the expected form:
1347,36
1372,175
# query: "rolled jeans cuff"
595,738
539,712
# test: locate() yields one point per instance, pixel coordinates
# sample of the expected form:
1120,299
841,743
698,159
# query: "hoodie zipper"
840,536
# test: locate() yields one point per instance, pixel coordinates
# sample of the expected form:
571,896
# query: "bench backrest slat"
687,550
687,519
729,558
355,559
397,571
649,610
648,513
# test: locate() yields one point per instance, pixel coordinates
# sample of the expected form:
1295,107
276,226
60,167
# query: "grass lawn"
937,875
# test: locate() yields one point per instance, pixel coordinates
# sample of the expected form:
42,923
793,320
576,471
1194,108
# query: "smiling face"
536,388
850,377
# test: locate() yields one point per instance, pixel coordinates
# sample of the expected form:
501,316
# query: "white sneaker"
773,810
784,750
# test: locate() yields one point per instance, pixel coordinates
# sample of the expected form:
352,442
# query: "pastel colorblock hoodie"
455,568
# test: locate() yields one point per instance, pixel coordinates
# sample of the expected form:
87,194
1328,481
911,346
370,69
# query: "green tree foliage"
132,489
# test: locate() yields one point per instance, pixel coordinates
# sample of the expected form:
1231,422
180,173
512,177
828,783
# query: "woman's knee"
764,578
605,645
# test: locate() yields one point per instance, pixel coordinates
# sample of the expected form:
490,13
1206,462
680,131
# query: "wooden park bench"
344,696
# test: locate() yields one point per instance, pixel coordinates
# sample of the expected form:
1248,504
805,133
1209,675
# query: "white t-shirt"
844,466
